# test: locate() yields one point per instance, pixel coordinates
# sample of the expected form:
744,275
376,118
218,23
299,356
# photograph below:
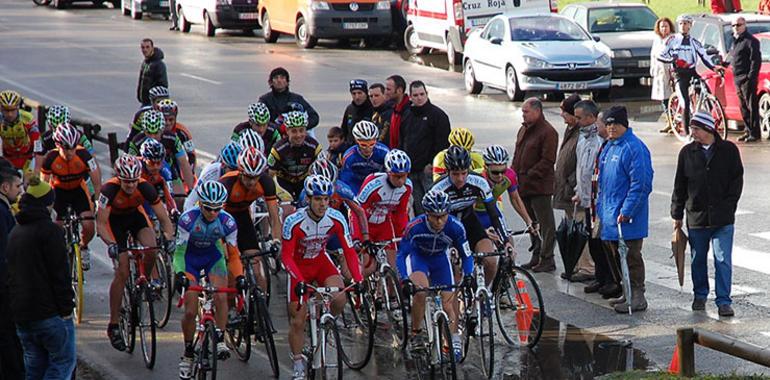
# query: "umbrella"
678,246
623,253
572,238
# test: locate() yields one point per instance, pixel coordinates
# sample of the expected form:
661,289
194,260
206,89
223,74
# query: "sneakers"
299,369
233,318
85,258
223,353
185,367
396,315
419,340
698,304
116,338
544,266
457,347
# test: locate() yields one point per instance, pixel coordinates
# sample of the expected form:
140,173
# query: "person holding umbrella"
708,184
625,183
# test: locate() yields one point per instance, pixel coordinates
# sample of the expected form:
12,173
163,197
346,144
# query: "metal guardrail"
686,338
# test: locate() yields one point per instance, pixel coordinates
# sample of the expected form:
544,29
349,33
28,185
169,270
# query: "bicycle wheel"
265,332
390,291
128,315
515,294
77,282
163,297
712,105
357,338
238,333
675,113
485,333
442,364
206,360
331,352
146,321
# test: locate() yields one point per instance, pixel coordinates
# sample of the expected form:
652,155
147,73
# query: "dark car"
626,28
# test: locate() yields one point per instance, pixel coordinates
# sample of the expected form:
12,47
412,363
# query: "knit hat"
358,84
568,104
704,121
38,193
616,115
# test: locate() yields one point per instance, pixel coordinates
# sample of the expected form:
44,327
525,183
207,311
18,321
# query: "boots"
533,262
546,265
638,302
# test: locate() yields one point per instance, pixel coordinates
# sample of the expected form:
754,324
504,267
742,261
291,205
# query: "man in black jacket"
11,354
382,110
41,287
424,132
708,185
746,59
152,73
360,108
279,98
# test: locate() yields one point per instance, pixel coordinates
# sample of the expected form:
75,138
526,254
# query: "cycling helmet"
250,138
57,114
258,113
435,202
684,18
168,107
10,99
212,194
158,92
294,106
316,185
397,161
462,137
252,162
324,168
229,154
457,158
365,130
66,136
153,122
496,155
128,167
296,119
152,149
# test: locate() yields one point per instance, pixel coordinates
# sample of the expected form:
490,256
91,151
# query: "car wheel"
124,8
268,33
473,86
512,90
41,2
764,115
184,25
453,57
411,42
135,14
60,4
208,27
302,35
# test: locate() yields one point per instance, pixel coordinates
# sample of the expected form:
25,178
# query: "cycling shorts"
210,260
121,225
316,270
77,198
247,234
438,268
474,229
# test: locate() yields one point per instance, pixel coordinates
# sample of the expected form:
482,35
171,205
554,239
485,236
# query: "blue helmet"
316,185
212,194
397,161
229,154
152,149
436,202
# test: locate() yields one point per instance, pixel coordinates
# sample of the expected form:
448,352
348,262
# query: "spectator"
708,185
152,73
746,59
659,71
11,354
395,92
533,161
279,99
337,145
360,108
725,6
424,134
41,288
382,109
173,15
625,183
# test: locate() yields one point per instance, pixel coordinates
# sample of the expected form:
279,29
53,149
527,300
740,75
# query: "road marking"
762,235
668,195
202,79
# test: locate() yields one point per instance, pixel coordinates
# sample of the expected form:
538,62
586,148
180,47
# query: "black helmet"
457,158
279,71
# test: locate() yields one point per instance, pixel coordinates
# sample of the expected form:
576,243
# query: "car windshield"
755,27
545,28
622,19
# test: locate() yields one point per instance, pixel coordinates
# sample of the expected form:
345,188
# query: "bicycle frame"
381,256
434,308
316,339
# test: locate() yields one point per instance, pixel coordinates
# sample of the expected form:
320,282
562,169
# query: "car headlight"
536,63
319,5
383,5
621,53
604,60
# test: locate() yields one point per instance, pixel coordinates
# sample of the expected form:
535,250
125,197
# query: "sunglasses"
211,209
366,143
497,172
737,25
129,181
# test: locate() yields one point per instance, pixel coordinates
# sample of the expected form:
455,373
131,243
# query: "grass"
640,375
673,8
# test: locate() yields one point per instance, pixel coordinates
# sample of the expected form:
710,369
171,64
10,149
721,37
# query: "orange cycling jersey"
119,202
19,138
186,138
68,174
161,186
239,197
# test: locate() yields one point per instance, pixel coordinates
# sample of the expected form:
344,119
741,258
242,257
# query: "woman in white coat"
661,72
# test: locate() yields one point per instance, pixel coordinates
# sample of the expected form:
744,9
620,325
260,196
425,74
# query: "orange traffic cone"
673,368
523,314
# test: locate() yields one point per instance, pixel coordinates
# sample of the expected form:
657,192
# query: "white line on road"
762,235
668,195
202,79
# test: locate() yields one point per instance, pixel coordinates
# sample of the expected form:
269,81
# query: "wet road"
89,59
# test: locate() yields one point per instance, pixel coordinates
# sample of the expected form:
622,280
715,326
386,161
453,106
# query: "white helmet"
365,130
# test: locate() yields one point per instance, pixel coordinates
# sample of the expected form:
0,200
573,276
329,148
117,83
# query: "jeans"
721,239
49,348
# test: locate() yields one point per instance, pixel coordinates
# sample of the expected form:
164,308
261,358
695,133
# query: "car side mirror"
496,41
596,38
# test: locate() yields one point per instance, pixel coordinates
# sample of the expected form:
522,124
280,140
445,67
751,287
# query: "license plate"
355,25
248,16
164,3
644,63
573,86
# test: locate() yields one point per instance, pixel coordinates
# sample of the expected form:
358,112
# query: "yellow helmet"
462,137
10,99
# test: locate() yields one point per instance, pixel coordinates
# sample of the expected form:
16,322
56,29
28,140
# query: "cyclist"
364,158
465,188
461,137
250,138
66,169
227,162
305,234
120,214
259,121
169,109
156,172
244,186
502,179
385,199
19,133
56,114
423,257
291,156
202,230
156,94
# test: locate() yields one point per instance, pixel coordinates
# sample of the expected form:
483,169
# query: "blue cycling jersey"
420,242
355,167
199,242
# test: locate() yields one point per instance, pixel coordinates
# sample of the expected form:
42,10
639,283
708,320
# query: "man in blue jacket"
625,183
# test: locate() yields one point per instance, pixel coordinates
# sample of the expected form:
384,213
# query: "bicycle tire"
164,297
147,322
130,339
359,326
712,105
239,336
486,334
77,279
400,325
675,111
444,364
266,329
207,354
332,357
508,291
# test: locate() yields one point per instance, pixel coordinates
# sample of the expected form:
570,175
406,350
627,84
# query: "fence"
686,338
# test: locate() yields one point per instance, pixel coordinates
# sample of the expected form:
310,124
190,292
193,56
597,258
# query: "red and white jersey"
384,203
304,240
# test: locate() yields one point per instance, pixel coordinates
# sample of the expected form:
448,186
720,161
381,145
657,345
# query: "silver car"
543,52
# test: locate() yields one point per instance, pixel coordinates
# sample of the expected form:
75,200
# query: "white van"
444,24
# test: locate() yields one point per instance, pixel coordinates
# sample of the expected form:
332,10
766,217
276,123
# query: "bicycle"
72,229
204,364
136,309
439,356
260,216
358,320
383,285
164,286
253,319
701,99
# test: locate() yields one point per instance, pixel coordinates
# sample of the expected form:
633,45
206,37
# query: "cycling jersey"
47,144
508,184
210,172
21,138
159,180
136,123
386,207
119,202
683,53
170,141
68,174
239,198
199,243
185,137
439,168
355,167
291,163
427,251
270,137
